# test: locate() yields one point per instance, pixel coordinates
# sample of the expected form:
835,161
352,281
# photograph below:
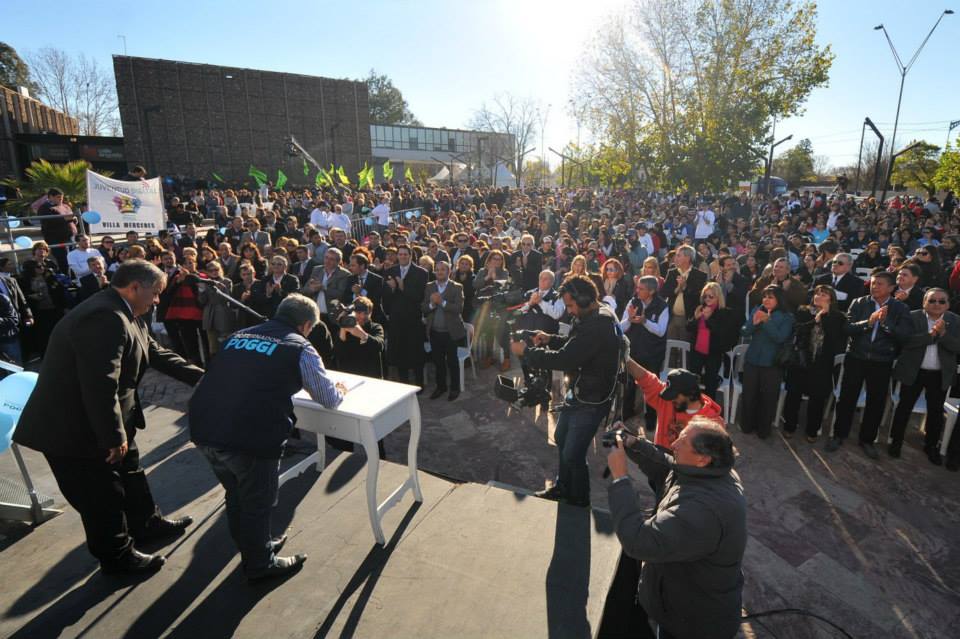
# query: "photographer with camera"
691,549
359,347
591,357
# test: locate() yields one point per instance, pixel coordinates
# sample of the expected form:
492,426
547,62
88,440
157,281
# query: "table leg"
321,452
373,471
412,447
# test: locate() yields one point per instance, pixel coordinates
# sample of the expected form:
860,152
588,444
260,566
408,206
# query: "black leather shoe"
554,493
280,567
437,393
135,562
894,449
276,544
162,528
870,450
453,395
933,454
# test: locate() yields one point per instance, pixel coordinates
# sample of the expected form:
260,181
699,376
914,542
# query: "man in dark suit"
363,283
84,414
327,283
847,285
928,363
303,267
442,305
876,324
464,248
908,291
525,265
402,299
682,288
735,286
266,294
94,281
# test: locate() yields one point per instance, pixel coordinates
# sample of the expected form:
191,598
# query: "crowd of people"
800,278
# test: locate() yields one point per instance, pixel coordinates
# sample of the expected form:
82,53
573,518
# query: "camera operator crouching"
591,357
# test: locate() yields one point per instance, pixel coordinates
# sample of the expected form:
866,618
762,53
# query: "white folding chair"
952,408
737,360
672,346
464,353
864,273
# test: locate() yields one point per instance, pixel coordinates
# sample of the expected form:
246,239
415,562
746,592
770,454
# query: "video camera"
342,314
500,295
536,387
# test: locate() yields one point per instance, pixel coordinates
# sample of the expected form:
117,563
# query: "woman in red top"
183,315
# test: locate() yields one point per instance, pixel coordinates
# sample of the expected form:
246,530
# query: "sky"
448,58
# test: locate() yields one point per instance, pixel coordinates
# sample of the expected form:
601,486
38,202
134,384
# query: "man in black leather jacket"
877,324
590,356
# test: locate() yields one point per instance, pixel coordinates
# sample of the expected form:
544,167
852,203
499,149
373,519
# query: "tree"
387,105
79,87
795,165
947,177
510,115
610,165
71,178
536,173
689,87
14,72
917,168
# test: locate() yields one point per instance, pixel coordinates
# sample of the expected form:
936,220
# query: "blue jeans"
11,348
251,486
576,427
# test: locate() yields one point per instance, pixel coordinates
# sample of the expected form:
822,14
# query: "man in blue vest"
240,417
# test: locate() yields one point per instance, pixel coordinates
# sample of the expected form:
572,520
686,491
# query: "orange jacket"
669,422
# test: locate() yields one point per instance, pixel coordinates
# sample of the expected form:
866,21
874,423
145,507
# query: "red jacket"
669,423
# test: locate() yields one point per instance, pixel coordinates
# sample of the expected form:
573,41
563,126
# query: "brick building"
193,120
21,115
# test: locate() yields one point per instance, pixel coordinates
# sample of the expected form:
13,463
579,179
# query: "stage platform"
470,561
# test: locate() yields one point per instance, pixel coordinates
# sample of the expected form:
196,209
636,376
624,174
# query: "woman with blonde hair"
714,330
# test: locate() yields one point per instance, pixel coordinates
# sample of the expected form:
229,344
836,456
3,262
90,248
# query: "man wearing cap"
676,401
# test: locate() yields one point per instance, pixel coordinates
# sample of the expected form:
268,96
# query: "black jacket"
85,401
892,331
529,277
850,284
373,285
691,548
696,279
915,347
724,325
265,304
591,354
361,359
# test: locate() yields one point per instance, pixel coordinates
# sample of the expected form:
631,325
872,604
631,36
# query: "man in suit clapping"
442,304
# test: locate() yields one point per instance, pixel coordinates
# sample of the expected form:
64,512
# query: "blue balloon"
91,217
368,221
13,222
6,431
223,230
14,391
409,215
23,242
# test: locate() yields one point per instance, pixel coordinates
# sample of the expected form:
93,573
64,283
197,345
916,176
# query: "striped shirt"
316,381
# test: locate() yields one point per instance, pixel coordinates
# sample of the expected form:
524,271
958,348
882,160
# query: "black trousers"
817,385
708,368
187,338
931,383
443,352
403,375
761,392
114,500
856,372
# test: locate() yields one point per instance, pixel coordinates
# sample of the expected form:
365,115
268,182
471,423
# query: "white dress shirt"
658,328
77,260
931,357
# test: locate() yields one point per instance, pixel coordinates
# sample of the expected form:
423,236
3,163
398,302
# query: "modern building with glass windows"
428,149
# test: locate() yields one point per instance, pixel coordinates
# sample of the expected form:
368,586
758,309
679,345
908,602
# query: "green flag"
387,171
319,180
281,179
257,175
408,175
344,179
306,169
218,178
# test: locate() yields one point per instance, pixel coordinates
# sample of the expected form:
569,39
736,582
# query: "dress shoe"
276,544
833,444
933,454
453,395
953,464
870,450
280,567
437,393
162,528
553,493
812,439
894,449
135,562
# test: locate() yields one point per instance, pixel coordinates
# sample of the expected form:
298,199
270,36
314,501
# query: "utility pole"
954,124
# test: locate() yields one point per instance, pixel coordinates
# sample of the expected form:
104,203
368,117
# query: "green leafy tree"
611,166
796,164
14,71
688,87
917,168
387,105
71,178
947,176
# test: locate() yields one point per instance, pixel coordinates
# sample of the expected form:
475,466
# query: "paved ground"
871,546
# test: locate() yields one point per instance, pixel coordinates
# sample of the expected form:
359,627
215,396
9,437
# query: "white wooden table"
368,413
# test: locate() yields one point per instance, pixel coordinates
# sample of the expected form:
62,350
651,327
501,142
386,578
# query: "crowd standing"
800,278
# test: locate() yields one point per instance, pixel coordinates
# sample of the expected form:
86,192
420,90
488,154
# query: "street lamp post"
903,69
766,177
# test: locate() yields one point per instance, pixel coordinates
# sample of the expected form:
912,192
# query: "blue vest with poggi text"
243,401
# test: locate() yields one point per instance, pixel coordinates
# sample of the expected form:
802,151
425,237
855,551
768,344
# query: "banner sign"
125,206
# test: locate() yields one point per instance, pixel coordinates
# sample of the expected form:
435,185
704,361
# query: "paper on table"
348,382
